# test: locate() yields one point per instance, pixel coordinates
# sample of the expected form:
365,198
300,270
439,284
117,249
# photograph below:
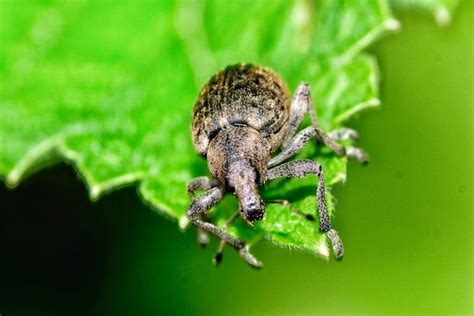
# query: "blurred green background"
406,219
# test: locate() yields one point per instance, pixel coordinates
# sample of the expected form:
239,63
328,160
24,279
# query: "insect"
242,117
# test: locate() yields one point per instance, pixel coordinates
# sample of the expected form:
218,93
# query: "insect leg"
201,183
299,169
297,143
302,103
202,205
304,136
220,249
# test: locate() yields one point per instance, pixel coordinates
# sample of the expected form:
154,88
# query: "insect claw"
357,153
344,134
352,134
249,258
336,244
219,253
218,259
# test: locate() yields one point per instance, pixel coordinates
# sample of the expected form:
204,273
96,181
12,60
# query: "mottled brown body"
241,95
239,119
243,115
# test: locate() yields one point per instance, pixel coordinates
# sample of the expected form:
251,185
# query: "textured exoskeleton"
242,116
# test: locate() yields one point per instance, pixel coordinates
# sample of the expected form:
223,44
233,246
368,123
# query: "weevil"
246,126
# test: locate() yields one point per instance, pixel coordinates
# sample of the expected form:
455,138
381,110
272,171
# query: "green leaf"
110,89
442,10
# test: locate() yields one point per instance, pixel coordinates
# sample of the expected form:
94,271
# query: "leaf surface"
110,89
441,10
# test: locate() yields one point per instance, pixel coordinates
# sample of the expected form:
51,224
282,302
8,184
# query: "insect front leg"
202,205
299,169
302,104
201,183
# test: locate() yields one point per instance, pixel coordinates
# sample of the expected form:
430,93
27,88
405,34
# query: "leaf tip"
95,192
340,177
183,222
371,103
442,16
322,249
392,24
13,179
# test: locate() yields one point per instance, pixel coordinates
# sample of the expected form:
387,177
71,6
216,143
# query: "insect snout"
252,208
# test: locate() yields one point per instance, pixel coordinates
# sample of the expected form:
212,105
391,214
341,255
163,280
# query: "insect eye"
213,133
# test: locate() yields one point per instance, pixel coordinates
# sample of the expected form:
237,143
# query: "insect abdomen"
241,94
